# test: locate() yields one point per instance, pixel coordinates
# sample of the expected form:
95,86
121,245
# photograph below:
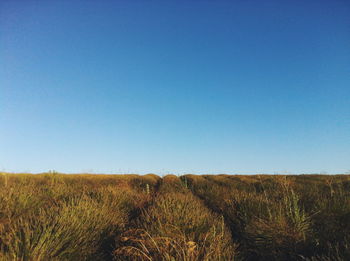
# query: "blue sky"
175,86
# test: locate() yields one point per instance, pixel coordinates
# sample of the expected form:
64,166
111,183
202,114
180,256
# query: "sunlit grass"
53,216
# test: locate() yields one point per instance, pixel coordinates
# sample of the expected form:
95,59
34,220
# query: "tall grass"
55,217
52,216
177,226
280,217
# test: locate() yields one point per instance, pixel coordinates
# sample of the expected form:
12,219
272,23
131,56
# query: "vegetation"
54,216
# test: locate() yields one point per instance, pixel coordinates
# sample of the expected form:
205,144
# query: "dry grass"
57,217
212,217
303,217
177,226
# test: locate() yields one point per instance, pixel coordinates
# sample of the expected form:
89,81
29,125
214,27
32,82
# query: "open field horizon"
171,173
54,216
95,95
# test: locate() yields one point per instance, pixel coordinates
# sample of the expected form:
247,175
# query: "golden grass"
177,226
54,216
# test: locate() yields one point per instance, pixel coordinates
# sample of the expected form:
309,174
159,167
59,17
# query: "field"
193,217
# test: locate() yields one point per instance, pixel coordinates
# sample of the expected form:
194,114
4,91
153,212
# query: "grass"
57,217
53,216
177,226
282,217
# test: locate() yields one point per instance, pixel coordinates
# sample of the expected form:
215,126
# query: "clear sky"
175,86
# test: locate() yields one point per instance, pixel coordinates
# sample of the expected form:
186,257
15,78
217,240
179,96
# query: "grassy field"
209,217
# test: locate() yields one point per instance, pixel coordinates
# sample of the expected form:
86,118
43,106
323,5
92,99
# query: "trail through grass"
195,217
